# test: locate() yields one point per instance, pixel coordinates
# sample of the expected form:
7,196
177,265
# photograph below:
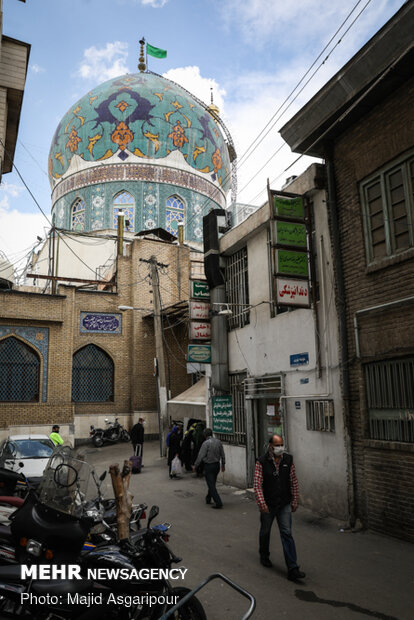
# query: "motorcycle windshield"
67,482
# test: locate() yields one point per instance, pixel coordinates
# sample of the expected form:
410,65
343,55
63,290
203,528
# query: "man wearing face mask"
276,491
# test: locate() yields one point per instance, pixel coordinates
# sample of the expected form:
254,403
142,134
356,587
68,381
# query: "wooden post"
123,498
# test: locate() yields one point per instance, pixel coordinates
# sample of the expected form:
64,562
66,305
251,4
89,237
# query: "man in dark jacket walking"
276,491
137,437
211,453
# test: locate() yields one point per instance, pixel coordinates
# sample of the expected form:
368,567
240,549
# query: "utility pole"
159,351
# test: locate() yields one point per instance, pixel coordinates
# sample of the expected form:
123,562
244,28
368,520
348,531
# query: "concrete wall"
235,473
264,347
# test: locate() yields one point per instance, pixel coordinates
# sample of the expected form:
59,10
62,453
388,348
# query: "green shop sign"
289,233
292,263
223,414
199,353
288,207
199,289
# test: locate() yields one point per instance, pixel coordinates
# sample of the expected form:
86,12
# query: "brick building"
361,123
74,358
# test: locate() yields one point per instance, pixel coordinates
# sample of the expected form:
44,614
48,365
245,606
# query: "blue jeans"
284,520
211,471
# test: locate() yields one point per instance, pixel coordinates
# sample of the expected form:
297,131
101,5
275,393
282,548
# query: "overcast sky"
253,53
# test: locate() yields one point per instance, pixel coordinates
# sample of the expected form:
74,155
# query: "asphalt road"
351,576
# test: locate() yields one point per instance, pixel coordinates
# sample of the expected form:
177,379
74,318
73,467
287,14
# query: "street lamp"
132,308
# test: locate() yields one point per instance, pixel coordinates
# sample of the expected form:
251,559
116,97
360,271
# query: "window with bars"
390,399
388,208
238,437
174,214
124,203
92,376
320,415
237,289
19,371
78,215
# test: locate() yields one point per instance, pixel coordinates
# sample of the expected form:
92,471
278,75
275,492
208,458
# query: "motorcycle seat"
64,586
5,533
11,500
10,573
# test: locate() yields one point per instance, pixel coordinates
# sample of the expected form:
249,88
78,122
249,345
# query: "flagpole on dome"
142,65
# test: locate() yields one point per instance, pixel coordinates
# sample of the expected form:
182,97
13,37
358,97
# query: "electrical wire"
33,158
246,154
38,205
252,147
289,96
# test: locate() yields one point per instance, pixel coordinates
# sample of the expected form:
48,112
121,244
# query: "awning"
195,395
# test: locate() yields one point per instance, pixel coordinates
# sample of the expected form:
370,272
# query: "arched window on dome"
125,203
77,221
174,214
19,371
92,375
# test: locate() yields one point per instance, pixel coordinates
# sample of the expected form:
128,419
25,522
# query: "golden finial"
212,108
141,65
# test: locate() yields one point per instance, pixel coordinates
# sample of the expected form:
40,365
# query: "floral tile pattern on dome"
143,114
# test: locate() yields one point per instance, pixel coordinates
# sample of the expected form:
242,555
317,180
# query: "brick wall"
132,351
384,493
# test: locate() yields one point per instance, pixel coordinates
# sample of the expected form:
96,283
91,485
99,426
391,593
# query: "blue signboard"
100,322
299,359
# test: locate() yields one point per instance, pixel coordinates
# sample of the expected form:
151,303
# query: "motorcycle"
12,483
100,513
113,432
103,513
50,528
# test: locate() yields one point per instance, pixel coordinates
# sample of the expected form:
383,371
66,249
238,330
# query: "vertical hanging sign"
290,253
199,349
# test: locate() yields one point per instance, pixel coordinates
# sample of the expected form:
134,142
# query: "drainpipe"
343,342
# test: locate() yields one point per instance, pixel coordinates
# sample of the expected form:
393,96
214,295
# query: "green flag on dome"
156,51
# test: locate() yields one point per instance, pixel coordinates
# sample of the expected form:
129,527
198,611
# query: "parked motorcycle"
12,482
113,432
103,513
50,528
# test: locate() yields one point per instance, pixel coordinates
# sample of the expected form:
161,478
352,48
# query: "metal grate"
92,376
19,372
390,399
174,214
267,386
237,289
124,204
239,412
78,214
320,415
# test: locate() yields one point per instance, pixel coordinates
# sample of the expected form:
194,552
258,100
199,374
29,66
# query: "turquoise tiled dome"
140,117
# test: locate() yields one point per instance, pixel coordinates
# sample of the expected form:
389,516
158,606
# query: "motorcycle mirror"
153,513
102,476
